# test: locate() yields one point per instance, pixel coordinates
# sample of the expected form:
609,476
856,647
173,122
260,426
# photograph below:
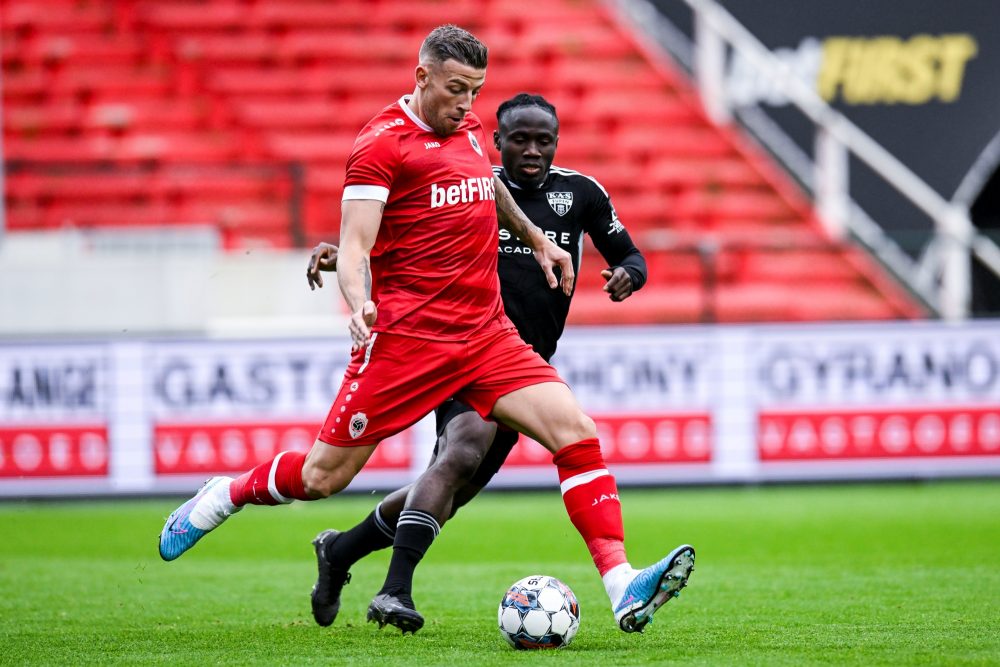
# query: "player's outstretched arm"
323,258
359,224
547,254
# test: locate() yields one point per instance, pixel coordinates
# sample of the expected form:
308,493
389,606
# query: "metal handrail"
957,239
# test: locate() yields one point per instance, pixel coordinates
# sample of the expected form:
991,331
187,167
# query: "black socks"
372,534
415,532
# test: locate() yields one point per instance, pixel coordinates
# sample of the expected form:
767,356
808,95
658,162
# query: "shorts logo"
359,421
561,202
475,144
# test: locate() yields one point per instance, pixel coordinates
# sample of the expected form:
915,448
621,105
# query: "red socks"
276,482
591,498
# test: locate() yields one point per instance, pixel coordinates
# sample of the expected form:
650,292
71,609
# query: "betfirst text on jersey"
463,192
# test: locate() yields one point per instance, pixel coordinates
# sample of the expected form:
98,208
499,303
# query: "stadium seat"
295,16
140,113
314,113
318,146
42,119
180,112
246,49
21,15
187,17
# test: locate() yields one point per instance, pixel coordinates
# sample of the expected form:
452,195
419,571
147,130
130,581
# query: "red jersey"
434,263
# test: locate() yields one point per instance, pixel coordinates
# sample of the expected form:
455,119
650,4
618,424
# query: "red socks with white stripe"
591,498
276,482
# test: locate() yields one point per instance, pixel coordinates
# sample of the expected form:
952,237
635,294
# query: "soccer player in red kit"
417,266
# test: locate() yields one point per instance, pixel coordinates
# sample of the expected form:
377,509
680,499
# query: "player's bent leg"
327,470
461,448
337,551
503,443
590,495
650,588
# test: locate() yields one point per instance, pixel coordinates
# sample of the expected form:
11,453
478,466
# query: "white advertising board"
672,405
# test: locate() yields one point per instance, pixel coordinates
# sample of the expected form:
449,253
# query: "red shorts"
397,380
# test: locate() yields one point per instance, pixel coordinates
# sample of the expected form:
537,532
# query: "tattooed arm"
547,254
360,221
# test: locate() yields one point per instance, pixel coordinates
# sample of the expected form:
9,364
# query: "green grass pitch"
897,574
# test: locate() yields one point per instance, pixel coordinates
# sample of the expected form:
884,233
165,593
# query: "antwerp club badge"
359,421
475,144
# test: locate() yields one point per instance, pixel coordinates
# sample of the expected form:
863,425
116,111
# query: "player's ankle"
616,580
402,595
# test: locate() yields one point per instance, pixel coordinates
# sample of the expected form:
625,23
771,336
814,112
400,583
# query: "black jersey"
566,205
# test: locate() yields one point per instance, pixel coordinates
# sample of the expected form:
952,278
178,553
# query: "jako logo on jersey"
597,501
359,421
475,144
561,202
432,144
389,126
467,190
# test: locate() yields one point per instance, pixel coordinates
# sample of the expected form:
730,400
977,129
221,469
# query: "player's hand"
619,285
550,256
323,258
361,325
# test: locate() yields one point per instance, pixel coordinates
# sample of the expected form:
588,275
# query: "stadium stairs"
241,114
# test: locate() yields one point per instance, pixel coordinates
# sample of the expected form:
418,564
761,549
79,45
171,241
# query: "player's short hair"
449,42
525,100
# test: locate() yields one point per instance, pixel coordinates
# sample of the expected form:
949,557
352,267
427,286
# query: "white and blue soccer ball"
539,612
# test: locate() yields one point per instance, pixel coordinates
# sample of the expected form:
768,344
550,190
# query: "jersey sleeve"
372,166
611,238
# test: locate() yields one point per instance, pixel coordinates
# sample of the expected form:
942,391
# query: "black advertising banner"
921,77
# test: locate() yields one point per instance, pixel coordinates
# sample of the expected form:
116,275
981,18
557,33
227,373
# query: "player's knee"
459,464
581,427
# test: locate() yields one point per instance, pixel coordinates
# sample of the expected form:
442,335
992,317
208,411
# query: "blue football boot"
179,534
652,587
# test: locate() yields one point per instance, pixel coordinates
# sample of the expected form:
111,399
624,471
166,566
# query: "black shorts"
493,459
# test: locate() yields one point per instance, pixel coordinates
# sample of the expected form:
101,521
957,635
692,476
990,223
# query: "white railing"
942,274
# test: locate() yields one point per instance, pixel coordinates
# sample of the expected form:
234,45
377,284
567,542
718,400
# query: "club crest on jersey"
359,421
561,202
475,144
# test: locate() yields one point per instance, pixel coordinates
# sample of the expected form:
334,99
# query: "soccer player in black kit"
469,451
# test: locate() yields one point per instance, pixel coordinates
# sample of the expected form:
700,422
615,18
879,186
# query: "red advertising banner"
54,451
213,448
638,438
887,433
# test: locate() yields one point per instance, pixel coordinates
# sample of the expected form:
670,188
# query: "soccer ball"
539,612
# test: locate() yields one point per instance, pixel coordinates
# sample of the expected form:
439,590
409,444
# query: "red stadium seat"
21,15
311,113
42,119
139,113
309,147
248,49
182,16
294,16
190,112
